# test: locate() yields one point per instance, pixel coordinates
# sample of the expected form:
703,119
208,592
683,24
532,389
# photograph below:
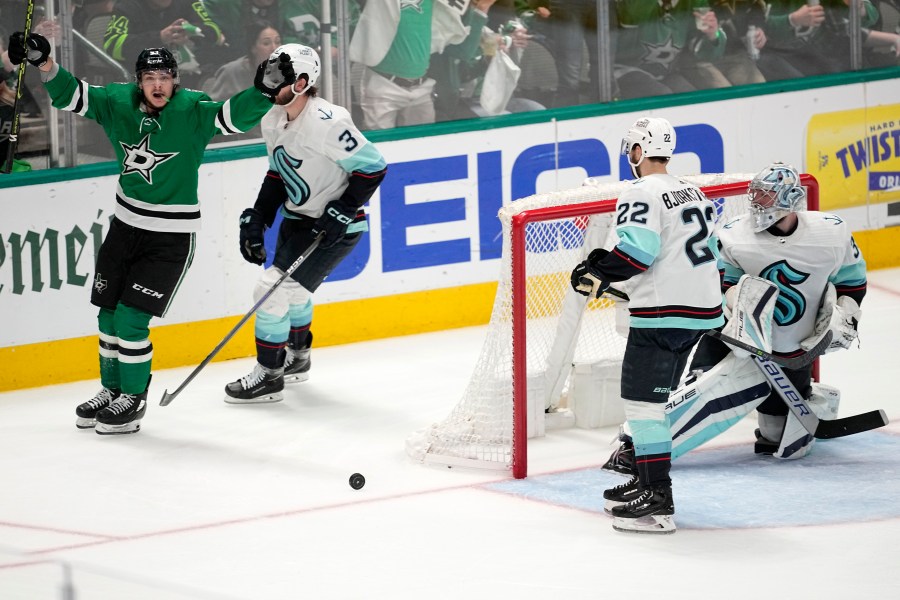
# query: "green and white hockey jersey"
654,36
159,156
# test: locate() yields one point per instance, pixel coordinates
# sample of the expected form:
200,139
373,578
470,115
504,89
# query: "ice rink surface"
213,501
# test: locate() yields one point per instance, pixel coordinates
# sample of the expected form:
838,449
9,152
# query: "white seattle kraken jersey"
315,154
665,225
819,251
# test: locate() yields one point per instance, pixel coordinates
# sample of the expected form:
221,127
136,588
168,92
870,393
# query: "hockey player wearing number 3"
322,171
668,250
158,132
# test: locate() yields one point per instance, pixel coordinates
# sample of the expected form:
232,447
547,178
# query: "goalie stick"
20,85
798,406
167,397
791,362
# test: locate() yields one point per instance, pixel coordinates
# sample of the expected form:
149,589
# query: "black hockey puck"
357,481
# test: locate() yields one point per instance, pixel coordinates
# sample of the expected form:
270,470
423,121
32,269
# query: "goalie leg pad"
714,402
796,442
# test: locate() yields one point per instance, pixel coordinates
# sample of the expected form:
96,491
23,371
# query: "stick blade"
167,398
850,425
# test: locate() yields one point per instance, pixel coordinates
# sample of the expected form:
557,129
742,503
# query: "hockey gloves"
272,75
252,229
334,222
586,278
35,48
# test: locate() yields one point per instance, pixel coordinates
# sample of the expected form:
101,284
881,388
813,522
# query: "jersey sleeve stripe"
223,118
631,261
79,101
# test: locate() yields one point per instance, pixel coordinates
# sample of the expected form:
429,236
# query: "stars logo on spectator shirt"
142,160
413,4
661,54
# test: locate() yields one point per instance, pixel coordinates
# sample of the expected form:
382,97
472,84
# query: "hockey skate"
86,412
764,445
259,386
297,364
621,494
621,461
652,511
123,415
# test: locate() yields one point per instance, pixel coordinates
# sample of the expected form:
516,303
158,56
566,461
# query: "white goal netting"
559,326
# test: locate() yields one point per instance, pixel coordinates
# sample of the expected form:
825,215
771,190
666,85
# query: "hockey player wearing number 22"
322,171
668,251
159,133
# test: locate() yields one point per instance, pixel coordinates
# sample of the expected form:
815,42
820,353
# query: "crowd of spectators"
422,61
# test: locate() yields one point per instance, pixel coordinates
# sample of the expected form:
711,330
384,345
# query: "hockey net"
539,327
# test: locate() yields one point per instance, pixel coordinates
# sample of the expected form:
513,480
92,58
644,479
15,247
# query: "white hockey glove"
840,316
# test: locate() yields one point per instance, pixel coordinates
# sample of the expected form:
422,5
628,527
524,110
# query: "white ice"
218,501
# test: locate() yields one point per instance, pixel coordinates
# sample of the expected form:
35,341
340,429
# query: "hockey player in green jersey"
159,133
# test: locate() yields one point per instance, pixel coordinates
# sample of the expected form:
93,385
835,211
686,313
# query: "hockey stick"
167,397
791,362
20,85
799,407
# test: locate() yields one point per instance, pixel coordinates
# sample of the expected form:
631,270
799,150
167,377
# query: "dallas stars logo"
661,54
413,4
142,160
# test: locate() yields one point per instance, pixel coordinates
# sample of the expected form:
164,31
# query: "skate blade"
104,429
296,378
83,423
653,524
267,399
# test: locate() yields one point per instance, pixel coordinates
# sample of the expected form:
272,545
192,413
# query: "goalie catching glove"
840,316
586,278
253,228
35,48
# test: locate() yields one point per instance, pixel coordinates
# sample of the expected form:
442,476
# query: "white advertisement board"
433,222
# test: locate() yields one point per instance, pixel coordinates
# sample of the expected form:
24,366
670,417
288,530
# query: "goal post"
540,329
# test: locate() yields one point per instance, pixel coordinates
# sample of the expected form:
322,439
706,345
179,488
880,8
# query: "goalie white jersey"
820,250
665,228
315,154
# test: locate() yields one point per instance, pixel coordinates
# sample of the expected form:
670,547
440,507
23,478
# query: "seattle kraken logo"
791,304
287,165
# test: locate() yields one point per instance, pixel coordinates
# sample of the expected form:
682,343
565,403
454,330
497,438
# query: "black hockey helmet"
155,59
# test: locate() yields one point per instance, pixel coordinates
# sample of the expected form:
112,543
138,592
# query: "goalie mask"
774,193
655,136
304,60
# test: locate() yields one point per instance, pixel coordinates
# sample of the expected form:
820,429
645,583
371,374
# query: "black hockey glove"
334,222
253,227
586,278
273,75
37,51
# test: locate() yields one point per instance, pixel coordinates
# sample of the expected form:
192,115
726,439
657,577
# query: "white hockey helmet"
305,61
774,192
654,135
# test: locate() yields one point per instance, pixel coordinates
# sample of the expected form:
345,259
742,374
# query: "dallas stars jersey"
160,156
651,36
819,251
665,228
315,153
